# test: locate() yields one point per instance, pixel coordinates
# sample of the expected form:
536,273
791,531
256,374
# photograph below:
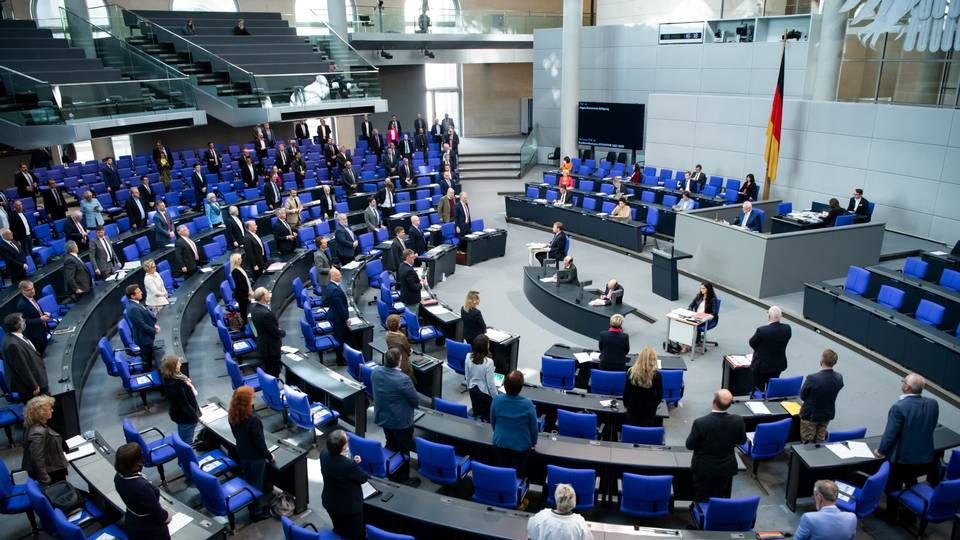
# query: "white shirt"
26,223
481,376
156,292
549,525
106,249
4,220
856,203
746,220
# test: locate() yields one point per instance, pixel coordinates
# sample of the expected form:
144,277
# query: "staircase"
489,166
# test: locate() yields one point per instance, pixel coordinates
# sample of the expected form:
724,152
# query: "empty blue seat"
672,380
580,425
865,500
846,219
440,464
641,435
646,496
780,387
930,504
915,267
890,297
374,533
930,313
449,407
839,436
858,279
950,279
375,460
609,383
726,514
768,441
558,372
497,486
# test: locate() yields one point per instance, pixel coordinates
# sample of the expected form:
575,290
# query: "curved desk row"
916,290
620,233
636,189
562,303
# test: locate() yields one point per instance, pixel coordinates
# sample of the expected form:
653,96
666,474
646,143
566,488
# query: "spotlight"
429,54
793,34
385,55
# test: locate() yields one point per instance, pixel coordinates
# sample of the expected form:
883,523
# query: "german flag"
772,151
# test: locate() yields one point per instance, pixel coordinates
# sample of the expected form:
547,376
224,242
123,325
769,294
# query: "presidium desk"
565,304
763,264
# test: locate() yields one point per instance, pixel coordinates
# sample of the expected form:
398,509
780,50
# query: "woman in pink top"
393,136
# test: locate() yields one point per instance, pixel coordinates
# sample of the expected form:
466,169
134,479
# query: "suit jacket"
394,398
110,177
769,345
828,522
213,161
143,324
405,173
447,209
753,222
708,307
23,367
418,124
464,219
415,240
241,286
56,207
451,158
343,247
14,258
453,140
271,192
436,132
348,179
144,517
394,258
20,180
376,144
408,284
700,179
322,262
366,129
819,395
373,218
234,232
342,481
283,161
36,330
269,334
863,209
185,257
390,162
136,221
280,230
558,246
832,216
338,311
75,275
327,208
255,260
614,348
199,184
713,439
568,275
99,256
473,324
420,141
161,228
18,228
248,174
405,147
908,437
323,131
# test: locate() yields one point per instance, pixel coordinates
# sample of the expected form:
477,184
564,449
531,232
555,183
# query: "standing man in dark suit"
416,240
199,184
614,345
271,193
699,178
14,256
248,172
372,216
299,168
747,218
323,130
162,225
769,344
136,210
143,324
74,230
409,283
342,487
397,246
338,311
146,192
858,204
344,241
283,234
111,178
53,201
22,363
713,439
102,255
405,146
76,279
301,131
376,144
819,395
187,253
20,226
419,124
452,139
35,318
328,203
366,128
234,228
420,142
394,123
558,245
394,401
908,438
212,158
269,334
283,158
25,182
348,178
255,256
464,220
436,132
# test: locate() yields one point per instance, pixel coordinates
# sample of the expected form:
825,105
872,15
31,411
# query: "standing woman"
398,340
242,289
342,486
212,209
480,381
473,323
144,518
92,211
251,446
43,457
179,389
643,390
156,292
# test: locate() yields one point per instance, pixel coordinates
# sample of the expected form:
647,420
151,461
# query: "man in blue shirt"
394,401
828,522
514,422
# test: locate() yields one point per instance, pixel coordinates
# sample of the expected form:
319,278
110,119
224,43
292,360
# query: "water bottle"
443,277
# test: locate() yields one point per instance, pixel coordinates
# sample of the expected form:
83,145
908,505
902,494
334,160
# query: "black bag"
63,496
672,347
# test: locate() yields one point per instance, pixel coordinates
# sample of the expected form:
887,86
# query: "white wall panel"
913,124
910,159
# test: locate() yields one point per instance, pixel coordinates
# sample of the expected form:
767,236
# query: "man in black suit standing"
23,365
111,178
283,234
419,124
405,146
344,241
376,144
394,123
323,130
248,172
34,317
255,256
420,142
409,283
20,226
103,256
858,204
558,245
338,311
819,395
54,202
14,256
143,324
342,486
769,344
405,174
328,202
74,230
199,187
301,130
464,221
908,437
416,240
234,228
397,246
366,128
269,334
76,279
136,210
212,158
147,195
699,177
348,178
271,193
282,158
187,252
25,182
713,439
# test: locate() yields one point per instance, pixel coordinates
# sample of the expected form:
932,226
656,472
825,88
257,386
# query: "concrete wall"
491,97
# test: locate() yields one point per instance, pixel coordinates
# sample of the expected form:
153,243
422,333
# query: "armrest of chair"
309,525
926,503
239,491
152,428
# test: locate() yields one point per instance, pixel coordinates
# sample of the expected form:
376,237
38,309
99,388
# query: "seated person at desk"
622,211
704,302
643,390
748,190
560,522
565,179
566,164
563,197
558,245
685,204
144,516
828,521
637,175
614,346
473,323
830,217
858,204
567,273
613,294
748,219
618,188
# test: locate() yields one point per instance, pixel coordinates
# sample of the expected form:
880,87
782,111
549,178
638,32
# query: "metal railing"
29,101
529,150
374,18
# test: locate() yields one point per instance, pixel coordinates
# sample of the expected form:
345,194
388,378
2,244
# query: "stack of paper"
489,230
740,360
840,450
680,312
860,449
368,490
82,451
437,310
276,267
352,265
293,357
177,522
497,335
289,349
582,357
206,269
212,412
75,441
353,321
758,407
792,407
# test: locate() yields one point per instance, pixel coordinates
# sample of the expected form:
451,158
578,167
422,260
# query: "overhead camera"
429,54
793,34
385,55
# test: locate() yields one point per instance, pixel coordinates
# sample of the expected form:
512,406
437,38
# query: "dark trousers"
481,403
244,304
512,458
198,203
542,256
147,354
712,486
348,526
902,474
252,470
760,379
400,440
272,365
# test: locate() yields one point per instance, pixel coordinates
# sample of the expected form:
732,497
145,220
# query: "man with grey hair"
186,252
769,345
559,522
828,522
342,486
908,437
76,279
14,256
255,257
269,335
234,228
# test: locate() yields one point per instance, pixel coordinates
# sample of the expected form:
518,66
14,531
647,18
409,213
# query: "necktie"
14,244
166,220
36,306
259,242
80,227
56,196
140,207
215,159
106,249
466,210
193,246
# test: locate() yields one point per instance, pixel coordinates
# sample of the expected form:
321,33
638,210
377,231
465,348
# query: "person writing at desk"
563,197
704,302
613,294
618,188
621,211
830,219
567,272
643,390
858,204
685,204
558,245
748,219
748,190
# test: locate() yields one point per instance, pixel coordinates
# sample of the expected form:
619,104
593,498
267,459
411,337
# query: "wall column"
102,147
337,16
833,28
569,77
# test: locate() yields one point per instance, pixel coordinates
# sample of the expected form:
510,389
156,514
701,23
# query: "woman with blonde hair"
92,211
473,323
179,389
251,446
242,287
398,340
43,457
212,210
156,292
643,390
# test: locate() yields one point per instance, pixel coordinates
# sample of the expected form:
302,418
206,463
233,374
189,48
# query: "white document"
860,449
582,357
497,335
353,321
741,360
437,310
276,267
143,379
211,413
680,312
368,490
939,253
75,441
132,265
606,402
206,269
489,230
352,265
758,407
289,349
82,451
293,357
841,450
177,522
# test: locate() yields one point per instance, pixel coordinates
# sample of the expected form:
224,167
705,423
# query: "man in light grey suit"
394,401
372,216
103,255
321,261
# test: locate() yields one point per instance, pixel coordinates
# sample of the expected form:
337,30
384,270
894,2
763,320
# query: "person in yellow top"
622,211
566,165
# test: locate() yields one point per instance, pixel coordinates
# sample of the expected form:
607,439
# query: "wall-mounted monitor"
611,125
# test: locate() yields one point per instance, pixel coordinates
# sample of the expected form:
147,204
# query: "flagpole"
767,182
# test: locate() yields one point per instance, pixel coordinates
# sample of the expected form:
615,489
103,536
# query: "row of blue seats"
929,313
